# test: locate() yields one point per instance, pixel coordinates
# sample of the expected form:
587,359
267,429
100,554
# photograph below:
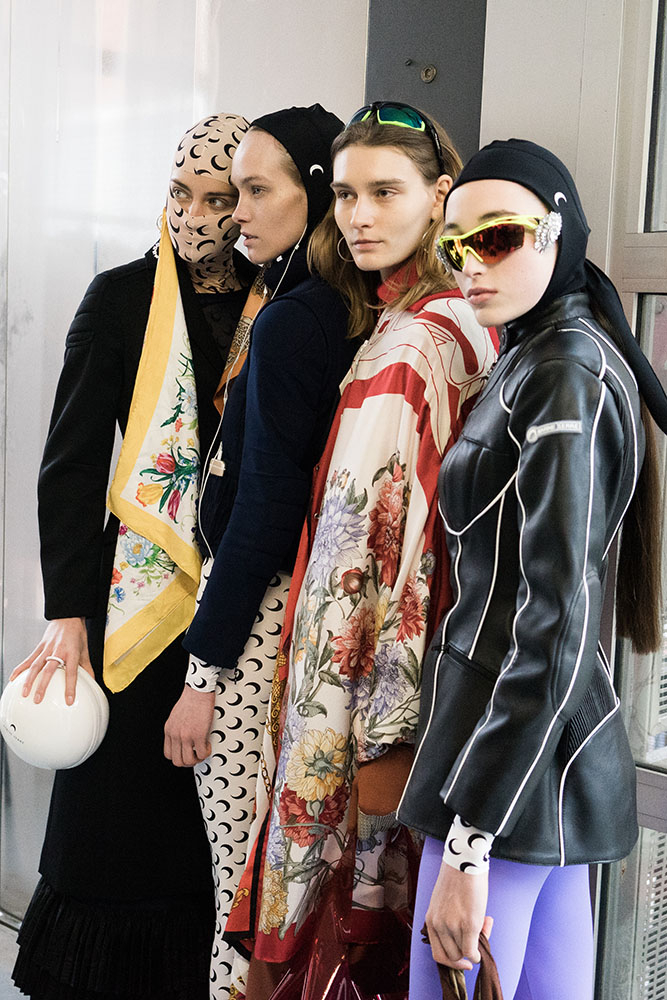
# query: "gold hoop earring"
348,260
429,234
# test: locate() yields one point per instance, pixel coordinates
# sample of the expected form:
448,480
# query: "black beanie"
539,170
307,134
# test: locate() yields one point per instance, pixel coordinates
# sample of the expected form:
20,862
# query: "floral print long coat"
360,621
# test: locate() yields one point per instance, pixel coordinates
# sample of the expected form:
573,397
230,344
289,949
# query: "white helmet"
51,733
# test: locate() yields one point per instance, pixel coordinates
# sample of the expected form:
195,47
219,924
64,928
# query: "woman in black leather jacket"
522,753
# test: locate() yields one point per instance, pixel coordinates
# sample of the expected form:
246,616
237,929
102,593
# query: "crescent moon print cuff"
201,676
467,848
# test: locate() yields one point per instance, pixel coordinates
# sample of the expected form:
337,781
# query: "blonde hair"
359,288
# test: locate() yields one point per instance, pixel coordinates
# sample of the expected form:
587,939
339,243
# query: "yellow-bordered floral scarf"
154,492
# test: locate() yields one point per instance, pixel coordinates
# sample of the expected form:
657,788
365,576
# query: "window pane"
645,677
632,959
656,204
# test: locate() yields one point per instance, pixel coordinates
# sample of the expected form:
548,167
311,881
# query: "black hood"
539,170
307,134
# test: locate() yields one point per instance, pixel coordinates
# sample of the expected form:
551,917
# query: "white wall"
284,52
551,74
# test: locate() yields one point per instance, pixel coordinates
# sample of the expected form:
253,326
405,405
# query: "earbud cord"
289,261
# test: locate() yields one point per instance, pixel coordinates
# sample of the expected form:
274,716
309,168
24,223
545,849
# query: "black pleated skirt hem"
71,949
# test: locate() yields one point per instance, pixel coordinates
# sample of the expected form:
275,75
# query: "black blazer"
102,353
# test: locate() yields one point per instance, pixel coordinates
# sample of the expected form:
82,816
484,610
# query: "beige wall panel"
259,55
551,75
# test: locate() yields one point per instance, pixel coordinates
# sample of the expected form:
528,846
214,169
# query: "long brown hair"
638,579
638,574
359,288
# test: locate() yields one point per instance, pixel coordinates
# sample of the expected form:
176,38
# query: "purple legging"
542,938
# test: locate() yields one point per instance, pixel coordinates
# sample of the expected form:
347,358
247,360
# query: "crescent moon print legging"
542,937
226,780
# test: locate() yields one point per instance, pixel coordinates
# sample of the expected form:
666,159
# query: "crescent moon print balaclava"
539,170
205,242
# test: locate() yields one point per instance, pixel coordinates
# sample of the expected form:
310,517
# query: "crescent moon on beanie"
558,196
316,168
217,165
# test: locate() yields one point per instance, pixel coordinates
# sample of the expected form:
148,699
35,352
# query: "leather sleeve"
568,434
75,468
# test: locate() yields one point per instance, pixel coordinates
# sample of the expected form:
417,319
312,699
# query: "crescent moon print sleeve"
201,676
467,847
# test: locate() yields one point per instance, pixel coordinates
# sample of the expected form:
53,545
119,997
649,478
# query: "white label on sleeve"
555,427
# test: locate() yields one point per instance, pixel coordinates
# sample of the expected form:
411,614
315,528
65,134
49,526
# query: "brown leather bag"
453,983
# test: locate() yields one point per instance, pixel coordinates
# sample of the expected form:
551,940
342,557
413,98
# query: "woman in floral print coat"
365,587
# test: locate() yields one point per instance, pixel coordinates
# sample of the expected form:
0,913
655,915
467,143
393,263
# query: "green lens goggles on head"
403,115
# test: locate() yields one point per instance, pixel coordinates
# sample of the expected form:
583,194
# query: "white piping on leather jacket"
520,730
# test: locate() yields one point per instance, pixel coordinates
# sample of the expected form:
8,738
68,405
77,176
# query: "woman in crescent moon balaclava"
124,907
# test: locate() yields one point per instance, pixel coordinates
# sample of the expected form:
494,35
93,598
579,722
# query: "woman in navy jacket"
257,487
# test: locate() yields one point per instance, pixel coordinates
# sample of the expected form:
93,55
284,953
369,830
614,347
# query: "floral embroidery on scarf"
411,611
143,565
355,646
341,526
173,472
176,469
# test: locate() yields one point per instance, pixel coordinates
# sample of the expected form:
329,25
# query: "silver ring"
58,659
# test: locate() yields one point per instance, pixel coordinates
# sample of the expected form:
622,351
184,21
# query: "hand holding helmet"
65,642
51,733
